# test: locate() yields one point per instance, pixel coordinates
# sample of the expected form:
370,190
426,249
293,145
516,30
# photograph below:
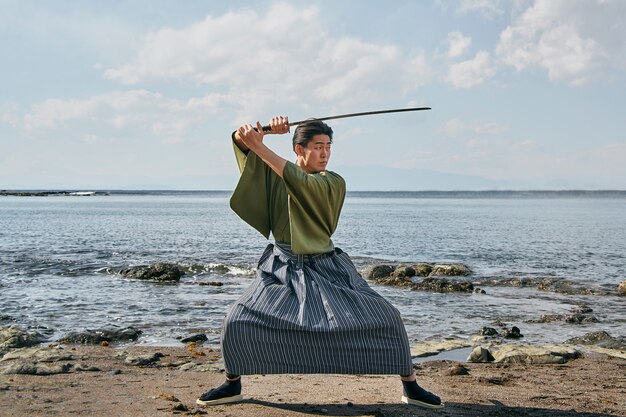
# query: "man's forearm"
275,162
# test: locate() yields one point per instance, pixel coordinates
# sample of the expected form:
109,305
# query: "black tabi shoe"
416,395
228,392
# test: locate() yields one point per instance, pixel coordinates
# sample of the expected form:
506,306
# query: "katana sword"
343,116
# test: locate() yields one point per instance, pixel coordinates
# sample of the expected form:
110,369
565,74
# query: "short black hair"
305,132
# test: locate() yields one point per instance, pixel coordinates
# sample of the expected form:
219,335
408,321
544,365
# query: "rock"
450,270
422,269
144,360
403,271
580,318
195,338
480,355
96,337
513,333
443,285
601,339
621,288
480,291
212,283
396,282
430,348
14,337
547,354
582,309
458,370
36,354
85,368
157,272
488,331
27,368
380,271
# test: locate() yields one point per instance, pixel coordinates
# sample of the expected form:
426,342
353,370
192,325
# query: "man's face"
315,156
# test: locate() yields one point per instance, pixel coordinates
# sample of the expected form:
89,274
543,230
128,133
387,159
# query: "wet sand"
594,385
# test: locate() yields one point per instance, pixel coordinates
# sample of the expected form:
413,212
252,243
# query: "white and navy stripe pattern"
313,314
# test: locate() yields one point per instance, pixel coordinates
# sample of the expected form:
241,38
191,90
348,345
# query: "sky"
525,94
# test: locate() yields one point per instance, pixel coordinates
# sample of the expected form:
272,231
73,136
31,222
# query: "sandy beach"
106,381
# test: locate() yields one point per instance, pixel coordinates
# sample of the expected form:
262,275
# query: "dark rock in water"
582,309
157,272
4,318
14,337
396,282
547,318
513,333
443,285
601,338
380,271
94,337
423,269
450,270
558,285
580,318
621,288
212,283
488,331
480,291
195,338
403,271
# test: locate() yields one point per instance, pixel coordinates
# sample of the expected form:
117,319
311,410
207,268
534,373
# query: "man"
308,310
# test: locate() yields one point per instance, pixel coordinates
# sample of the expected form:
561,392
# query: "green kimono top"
300,209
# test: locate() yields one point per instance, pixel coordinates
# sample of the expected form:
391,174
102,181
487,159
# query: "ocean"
59,257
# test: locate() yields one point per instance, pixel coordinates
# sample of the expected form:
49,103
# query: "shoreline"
155,381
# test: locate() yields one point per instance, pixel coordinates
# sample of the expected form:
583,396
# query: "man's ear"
299,150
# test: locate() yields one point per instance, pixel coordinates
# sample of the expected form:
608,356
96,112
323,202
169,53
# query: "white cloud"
456,127
458,44
284,55
472,72
573,41
488,8
130,111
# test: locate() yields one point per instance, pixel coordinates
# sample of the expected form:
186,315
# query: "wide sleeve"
315,202
249,200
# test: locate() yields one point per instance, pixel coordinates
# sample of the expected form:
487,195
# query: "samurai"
308,310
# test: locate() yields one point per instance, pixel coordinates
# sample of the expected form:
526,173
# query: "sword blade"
365,113
343,116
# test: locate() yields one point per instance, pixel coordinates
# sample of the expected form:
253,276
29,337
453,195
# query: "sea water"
59,257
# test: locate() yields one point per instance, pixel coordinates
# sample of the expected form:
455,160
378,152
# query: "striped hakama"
313,314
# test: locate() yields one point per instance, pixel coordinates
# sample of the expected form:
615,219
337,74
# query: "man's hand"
279,125
250,137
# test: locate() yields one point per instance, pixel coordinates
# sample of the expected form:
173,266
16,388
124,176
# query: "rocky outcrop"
14,337
450,270
410,276
443,285
162,272
621,288
578,315
546,354
430,348
550,284
423,269
601,339
480,355
102,335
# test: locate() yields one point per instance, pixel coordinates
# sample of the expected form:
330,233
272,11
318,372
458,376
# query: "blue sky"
144,94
